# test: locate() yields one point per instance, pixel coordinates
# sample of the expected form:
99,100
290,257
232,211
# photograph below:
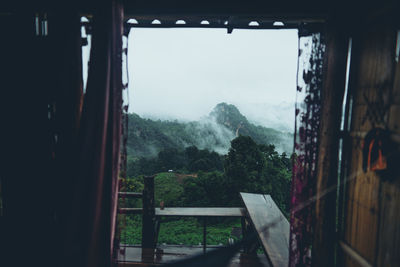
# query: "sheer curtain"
308,109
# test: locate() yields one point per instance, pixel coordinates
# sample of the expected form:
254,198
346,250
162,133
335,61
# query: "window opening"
183,138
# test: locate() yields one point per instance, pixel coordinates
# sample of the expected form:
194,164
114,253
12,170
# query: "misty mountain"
279,116
148,136
230,117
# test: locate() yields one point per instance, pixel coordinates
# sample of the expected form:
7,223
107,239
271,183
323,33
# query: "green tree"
257,169
208,189
244,166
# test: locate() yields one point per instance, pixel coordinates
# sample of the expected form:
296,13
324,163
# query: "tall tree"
244,166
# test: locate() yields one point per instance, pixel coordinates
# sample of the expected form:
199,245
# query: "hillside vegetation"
200,178
225,122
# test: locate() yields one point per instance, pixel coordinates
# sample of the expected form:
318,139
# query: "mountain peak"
225,107
228,115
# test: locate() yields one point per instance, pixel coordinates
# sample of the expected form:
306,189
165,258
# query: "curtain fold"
90,234
308,110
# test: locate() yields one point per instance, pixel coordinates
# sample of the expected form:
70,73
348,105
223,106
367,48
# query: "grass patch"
185,231
168,189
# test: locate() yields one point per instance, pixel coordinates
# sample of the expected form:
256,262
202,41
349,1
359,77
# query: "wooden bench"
271,226
198,212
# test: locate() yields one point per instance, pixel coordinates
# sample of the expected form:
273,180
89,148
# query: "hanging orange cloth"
375,149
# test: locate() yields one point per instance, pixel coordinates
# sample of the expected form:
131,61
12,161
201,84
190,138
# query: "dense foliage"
191,159
248,167
200,178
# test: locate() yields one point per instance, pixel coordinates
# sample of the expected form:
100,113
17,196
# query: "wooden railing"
149,224
152,217
258,212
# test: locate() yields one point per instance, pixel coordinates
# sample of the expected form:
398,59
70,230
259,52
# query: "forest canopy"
210,179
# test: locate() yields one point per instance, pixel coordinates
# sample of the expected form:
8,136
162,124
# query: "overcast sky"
184,73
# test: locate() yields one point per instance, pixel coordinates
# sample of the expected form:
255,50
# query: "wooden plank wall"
389,228
372,220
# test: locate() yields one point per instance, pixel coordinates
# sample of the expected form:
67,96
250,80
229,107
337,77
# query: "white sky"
184,73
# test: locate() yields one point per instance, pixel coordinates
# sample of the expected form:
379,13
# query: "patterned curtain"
308,109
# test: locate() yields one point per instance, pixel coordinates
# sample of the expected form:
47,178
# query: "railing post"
244,234
247,230
204,234
149,218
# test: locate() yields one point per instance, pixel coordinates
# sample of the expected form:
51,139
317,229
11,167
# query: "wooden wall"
372,204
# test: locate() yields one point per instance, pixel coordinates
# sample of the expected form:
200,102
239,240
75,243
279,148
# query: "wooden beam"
149,218
334,80
201,212
204,234
286,8
354,255
389,215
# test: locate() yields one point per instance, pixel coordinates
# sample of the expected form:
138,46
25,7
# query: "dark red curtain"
90,231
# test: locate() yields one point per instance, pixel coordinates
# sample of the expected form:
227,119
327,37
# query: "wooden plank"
204,234
389,228
335,59
363,204
201,212
149,218
262,212
133,256
354,255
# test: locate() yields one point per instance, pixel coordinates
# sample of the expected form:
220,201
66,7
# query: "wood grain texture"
335,59
263,213
368,217
354,255
201,212
149,218
133,256
389,228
